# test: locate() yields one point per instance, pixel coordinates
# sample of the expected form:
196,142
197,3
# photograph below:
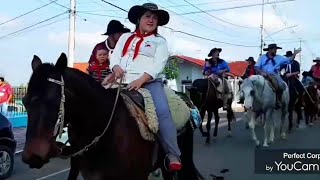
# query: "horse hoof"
156,173
283,136
310,124
205,134
214,138
229,134
208,141
265,145
257,143
271,141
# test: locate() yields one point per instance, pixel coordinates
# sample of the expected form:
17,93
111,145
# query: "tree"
171,70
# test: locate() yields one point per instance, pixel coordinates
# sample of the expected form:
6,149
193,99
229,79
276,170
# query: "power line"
45,25
217,17
182,32
33,25
197,22
182,5
235,7
114,5
212,39
95,14
59,4
27,13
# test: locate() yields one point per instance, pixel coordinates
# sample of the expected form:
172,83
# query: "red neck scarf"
129,40
99,68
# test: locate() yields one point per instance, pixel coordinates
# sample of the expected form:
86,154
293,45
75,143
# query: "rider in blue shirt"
216,68
269,64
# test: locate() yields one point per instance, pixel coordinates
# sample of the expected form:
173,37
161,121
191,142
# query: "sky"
235,30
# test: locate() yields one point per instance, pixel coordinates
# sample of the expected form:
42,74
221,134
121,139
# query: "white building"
190,69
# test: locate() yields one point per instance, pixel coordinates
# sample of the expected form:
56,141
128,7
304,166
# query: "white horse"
260,100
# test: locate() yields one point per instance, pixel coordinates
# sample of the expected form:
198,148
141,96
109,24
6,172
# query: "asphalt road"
235,153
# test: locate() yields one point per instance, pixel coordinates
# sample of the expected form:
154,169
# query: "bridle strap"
58,130
60,123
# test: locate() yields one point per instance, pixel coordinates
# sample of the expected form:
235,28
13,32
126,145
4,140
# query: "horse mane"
38,78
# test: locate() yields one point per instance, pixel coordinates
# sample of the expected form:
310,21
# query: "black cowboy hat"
115,26
306,73
288,54
317,59
214,50
271,46
250,59
137,11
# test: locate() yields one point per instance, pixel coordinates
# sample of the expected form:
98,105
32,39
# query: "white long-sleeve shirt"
151,59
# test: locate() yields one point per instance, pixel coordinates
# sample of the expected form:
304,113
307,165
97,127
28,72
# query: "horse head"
196,91
249,90
43,104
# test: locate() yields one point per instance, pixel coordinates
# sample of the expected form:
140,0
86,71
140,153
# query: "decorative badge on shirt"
148,49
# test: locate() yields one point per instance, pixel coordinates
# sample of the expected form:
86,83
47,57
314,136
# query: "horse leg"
74,169
299,113
208,126
247,120
290,109
202,114
306,116
216,125
230,116
267,120
189,170
252,127
284,116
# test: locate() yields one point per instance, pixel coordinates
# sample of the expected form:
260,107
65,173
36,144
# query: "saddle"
141,107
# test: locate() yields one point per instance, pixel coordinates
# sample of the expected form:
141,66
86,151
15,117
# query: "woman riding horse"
141,57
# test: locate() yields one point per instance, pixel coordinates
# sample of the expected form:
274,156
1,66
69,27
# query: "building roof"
81,66
236,67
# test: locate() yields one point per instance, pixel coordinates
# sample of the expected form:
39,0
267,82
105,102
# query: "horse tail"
185,142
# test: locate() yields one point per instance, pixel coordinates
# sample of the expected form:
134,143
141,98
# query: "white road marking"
53,174
18,152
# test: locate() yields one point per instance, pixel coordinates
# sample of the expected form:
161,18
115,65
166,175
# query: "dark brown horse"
204,95
310,99
58,94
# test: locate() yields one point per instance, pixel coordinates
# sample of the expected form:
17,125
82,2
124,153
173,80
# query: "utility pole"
72,27
261,46
300,56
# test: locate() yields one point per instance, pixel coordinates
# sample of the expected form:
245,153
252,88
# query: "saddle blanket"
147,119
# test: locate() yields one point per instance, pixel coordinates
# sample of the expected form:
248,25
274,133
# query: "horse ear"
62,62
36,62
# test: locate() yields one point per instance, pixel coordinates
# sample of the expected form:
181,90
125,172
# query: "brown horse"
204,95
105,138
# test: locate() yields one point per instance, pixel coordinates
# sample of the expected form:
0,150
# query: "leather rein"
58,130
